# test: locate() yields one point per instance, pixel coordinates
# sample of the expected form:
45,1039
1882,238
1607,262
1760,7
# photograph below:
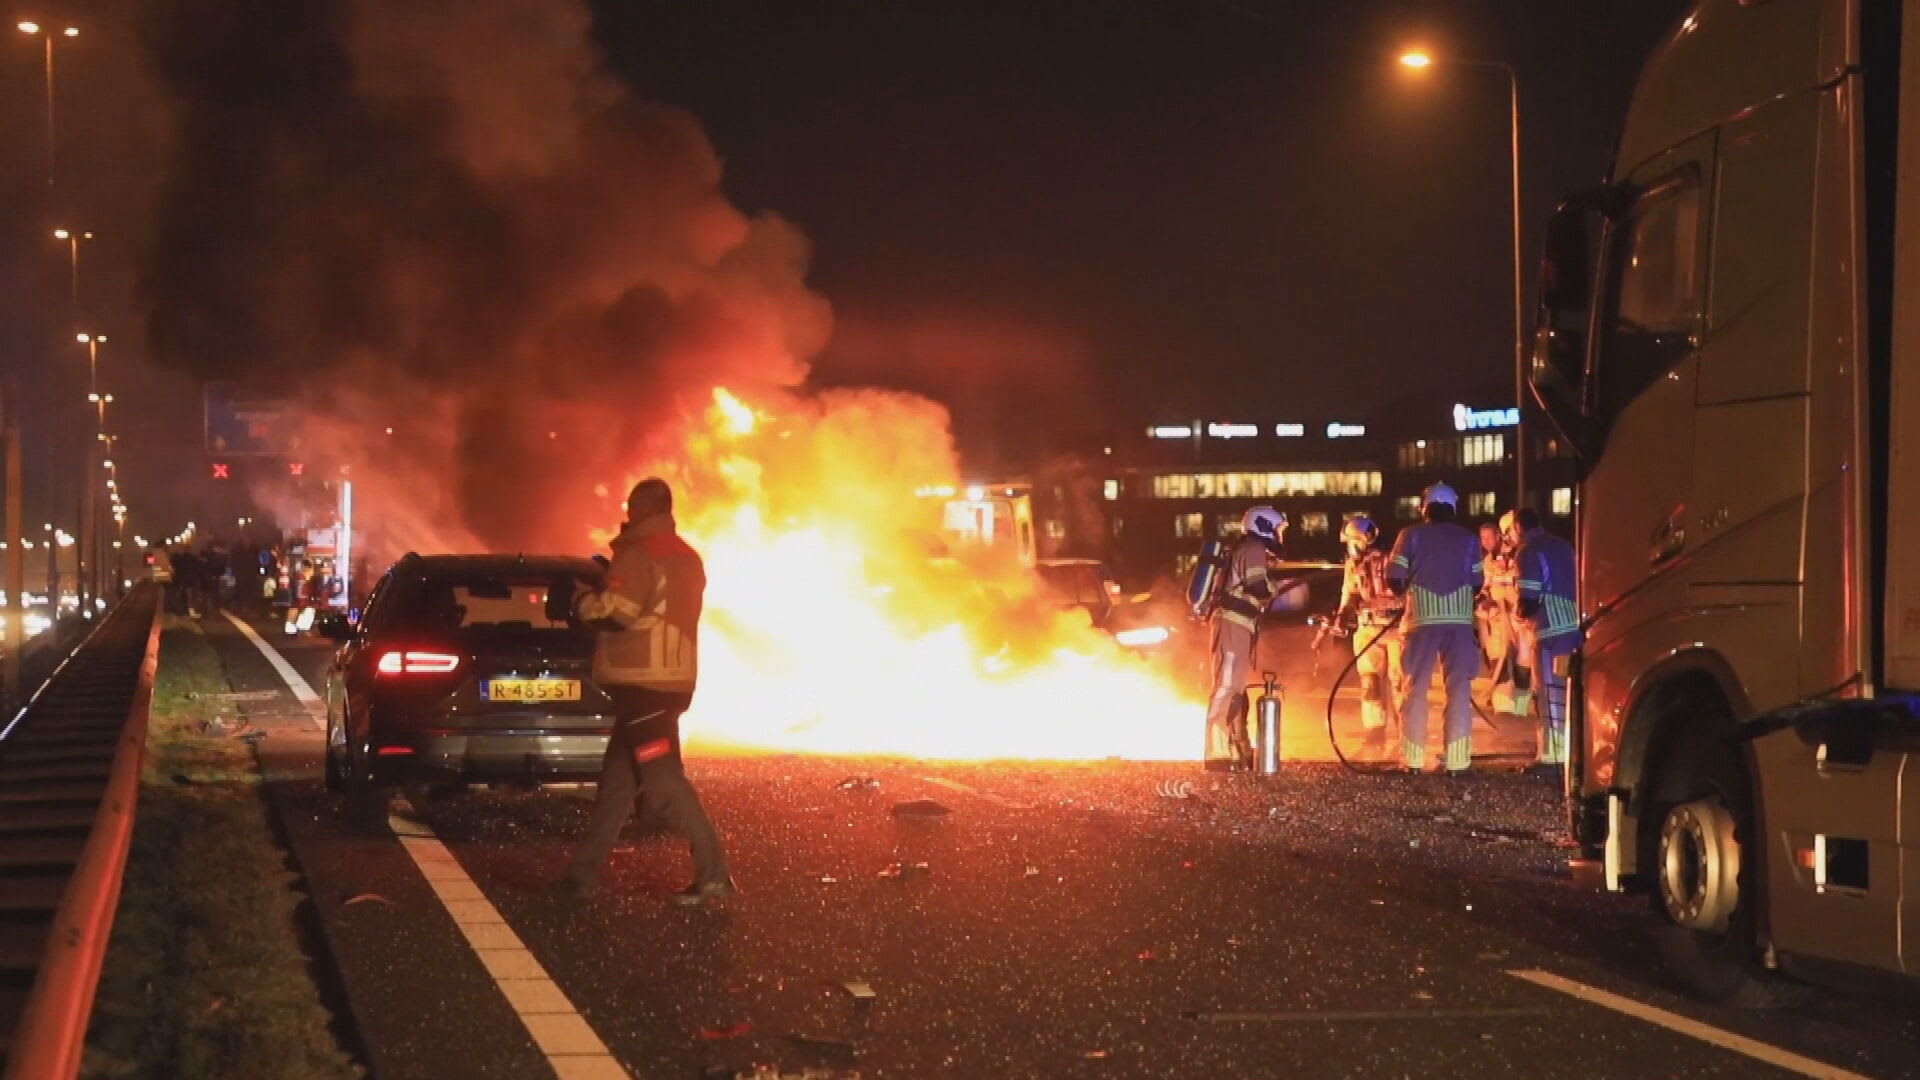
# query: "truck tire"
1704,872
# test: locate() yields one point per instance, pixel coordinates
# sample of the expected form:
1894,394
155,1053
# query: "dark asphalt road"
1072,921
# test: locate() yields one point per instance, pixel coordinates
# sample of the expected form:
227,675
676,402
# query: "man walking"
1437,566
646,615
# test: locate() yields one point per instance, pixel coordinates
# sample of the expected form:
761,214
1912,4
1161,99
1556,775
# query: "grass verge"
205,974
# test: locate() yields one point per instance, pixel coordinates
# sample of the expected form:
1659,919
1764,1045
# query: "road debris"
861,989
859,783
733,1031
901,871
1174,789
824,1044
366,898
920,808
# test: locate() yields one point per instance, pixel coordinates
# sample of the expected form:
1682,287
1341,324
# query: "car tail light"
416,663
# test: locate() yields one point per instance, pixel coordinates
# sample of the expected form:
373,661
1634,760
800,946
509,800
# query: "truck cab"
1729,337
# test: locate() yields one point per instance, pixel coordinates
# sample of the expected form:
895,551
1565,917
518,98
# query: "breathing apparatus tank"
1203,583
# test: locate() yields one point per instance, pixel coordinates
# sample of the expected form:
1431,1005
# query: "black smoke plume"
446,217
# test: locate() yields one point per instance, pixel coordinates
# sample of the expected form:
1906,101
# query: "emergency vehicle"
1729,339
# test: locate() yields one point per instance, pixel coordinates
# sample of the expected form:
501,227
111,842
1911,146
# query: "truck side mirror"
1562,321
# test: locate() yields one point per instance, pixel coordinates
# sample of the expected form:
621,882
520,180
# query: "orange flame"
839,621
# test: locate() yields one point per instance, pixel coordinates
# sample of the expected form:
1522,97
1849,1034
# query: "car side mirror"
333,627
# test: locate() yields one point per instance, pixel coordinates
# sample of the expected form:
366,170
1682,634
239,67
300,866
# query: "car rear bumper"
534,757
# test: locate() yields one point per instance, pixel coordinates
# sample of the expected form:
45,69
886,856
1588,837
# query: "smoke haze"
445,217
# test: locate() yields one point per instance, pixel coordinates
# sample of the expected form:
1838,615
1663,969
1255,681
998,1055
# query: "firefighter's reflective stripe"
1563,617
1428,608
609,605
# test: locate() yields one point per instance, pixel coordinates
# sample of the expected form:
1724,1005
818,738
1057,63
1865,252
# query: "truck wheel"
1703,873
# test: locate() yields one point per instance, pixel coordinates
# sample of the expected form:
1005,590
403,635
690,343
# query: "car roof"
451,565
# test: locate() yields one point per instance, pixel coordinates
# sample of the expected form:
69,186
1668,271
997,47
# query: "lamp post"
87,563
73,238
1420,59
46,33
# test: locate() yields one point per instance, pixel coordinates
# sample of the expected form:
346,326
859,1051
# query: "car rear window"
489,606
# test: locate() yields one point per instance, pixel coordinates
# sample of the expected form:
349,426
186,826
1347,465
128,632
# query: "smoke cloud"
447,218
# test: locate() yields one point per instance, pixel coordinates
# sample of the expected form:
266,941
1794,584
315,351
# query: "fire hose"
1333,695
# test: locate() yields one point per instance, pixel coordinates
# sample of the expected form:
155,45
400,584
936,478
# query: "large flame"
839,621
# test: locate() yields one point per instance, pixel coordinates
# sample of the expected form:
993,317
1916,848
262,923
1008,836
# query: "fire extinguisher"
1268,710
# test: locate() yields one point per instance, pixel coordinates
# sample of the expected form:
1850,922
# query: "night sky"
1060,218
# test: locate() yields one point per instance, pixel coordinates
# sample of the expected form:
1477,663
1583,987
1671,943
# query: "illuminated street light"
1419,59
28,26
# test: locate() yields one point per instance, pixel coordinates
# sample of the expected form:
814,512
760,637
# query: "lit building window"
1056,529
1117,525
1407,508
1225,525
1483,449
1110,489
1562,501
1253,485
1314,524
1189,525
1480,503
1183,564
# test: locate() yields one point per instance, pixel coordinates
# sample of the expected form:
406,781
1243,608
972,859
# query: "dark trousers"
643,757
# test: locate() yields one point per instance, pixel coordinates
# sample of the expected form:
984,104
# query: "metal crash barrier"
70,766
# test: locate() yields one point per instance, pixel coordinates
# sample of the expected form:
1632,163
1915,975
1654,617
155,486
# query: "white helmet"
1359,533
1264,522
1439,493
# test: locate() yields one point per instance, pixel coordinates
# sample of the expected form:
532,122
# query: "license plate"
530,689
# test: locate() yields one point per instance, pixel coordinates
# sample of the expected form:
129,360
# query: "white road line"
316,709
997,800
1706,1033
557,1029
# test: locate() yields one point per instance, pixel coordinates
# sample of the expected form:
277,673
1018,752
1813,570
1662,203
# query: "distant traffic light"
296,468
220,470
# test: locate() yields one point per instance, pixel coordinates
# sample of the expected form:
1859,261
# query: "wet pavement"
1099,920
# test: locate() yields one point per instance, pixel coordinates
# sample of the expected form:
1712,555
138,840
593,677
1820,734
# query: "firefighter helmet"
1359,533
1264,522
649,497
1439,493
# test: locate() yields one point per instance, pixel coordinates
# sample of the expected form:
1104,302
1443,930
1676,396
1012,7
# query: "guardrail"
53,1026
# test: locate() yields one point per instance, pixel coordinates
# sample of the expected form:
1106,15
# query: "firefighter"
1374,613
1524,642
646,614
1548,602
1436,566
1495,609
1244,595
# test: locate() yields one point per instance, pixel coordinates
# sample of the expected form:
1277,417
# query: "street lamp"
73,238
1419,59
29,27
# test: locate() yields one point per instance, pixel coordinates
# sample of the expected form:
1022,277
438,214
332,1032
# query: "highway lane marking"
297,683
997,800
557,1029
1674,1022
